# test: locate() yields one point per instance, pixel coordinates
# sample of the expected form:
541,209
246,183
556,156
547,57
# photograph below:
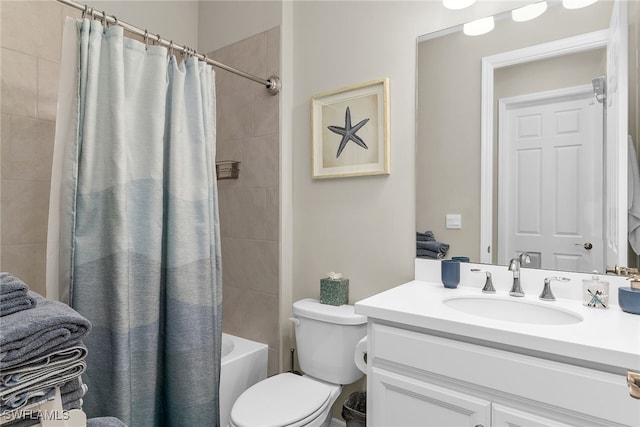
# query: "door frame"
581,43
554,96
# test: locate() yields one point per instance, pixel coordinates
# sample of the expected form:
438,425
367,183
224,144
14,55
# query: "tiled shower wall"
248,131
30,39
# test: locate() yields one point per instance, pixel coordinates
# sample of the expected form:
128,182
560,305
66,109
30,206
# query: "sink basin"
513,310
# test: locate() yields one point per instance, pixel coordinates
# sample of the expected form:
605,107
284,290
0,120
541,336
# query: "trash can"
354,409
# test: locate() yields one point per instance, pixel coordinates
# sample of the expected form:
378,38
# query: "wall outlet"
454,221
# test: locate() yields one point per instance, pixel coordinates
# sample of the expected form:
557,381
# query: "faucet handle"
546,294
488,284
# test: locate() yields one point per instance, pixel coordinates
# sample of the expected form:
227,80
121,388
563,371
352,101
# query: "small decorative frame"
350,131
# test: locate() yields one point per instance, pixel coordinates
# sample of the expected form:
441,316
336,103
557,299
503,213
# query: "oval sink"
513,310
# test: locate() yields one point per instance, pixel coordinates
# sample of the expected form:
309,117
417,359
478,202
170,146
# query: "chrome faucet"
547,295
514,265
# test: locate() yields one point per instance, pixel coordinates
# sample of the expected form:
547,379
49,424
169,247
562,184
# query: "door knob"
588,246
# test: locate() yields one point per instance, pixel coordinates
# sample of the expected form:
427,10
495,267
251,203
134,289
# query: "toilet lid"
281,400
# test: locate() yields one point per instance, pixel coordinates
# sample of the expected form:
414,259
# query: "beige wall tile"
28,263
5,145
266,119
48,77
272,365
24,212
273,214
261,318
249,214
273,51
30,150
265,267
261,161
235,115
32,27
19,83
237,263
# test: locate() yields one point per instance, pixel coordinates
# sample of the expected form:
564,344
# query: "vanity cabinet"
418,378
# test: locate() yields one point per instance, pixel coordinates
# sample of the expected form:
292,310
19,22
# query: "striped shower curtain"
138,240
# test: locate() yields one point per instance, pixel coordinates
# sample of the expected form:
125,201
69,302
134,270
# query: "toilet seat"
282,400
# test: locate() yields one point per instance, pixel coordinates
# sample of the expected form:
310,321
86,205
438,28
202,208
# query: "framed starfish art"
350,131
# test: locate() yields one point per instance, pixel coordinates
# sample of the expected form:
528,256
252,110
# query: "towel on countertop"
48,327
14,295
426,253
427,236
434,246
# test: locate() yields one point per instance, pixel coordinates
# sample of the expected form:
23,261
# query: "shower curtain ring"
104,19
93,10
115,20
84,12
171,47
146,39
159,39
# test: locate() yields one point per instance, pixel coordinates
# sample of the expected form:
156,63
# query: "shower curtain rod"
272,83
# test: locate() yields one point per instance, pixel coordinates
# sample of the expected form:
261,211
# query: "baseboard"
337,423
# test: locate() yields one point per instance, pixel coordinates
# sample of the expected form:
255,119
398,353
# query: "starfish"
349,133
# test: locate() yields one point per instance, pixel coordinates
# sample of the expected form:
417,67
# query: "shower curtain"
138,240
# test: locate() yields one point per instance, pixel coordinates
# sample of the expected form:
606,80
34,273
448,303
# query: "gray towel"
437,247
14,295
16,397
426,253
48,327
41,366
427,236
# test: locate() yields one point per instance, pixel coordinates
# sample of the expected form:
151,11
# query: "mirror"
448,152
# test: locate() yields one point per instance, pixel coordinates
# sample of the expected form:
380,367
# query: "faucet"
514,265
547,295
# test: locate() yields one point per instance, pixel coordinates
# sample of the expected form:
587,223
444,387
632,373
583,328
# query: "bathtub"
244,363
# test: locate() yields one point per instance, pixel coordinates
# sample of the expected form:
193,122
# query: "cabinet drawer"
587,391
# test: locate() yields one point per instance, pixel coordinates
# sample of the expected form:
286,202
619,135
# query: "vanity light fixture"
529,12
577,4
457,4
479,26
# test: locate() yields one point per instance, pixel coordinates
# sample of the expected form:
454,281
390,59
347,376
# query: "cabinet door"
397,400
504,416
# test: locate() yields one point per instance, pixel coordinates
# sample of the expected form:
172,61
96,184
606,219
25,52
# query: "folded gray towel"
15,397
105,422
48,327
72,393
433,246
41,366
14,295
426,253
425,237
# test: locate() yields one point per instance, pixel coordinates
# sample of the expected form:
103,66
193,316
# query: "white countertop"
608,337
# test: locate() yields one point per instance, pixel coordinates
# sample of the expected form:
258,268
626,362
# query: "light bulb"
457,4
479,26
529,12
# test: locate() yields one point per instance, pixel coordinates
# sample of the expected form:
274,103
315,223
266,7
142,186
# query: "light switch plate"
454,221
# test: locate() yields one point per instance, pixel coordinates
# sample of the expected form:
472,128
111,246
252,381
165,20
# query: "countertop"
607,339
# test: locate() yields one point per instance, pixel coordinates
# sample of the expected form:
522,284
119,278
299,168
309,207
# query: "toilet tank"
326,337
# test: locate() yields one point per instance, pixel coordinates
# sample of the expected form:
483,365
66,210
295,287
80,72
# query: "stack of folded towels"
41,349
428,247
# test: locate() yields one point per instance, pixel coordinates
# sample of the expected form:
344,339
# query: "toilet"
326,338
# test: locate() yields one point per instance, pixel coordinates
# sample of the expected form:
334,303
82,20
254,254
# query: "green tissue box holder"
334,292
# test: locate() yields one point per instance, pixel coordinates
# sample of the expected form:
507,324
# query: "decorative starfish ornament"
348,132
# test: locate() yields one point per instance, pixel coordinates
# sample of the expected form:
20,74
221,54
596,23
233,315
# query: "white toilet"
326,338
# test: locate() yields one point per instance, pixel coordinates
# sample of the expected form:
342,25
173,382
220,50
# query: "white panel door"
616,137
550,198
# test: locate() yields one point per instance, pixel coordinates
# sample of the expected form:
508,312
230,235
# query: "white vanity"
431,363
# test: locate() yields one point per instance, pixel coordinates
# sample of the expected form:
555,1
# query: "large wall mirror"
545,97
